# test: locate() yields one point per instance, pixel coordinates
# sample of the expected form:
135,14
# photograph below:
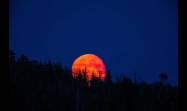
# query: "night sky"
129,35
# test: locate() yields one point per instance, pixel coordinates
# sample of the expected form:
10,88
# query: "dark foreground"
48,87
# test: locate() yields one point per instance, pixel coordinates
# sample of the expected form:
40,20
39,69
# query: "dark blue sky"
129,35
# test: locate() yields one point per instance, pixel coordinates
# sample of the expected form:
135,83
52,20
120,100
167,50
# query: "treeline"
37,86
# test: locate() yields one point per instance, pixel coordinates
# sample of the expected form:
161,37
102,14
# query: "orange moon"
93,65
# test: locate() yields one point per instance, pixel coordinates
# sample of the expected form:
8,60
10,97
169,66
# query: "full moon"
90,63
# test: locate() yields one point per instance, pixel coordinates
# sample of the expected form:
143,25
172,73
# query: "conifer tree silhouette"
49,87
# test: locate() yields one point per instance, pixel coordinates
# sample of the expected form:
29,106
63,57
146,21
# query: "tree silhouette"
58,70
108,77
163,77
40,86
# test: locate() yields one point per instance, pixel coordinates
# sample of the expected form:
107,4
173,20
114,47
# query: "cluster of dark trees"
39,86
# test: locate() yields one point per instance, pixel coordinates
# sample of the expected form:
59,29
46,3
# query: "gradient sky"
129,35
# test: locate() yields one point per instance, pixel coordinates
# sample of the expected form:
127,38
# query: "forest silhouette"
37,86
